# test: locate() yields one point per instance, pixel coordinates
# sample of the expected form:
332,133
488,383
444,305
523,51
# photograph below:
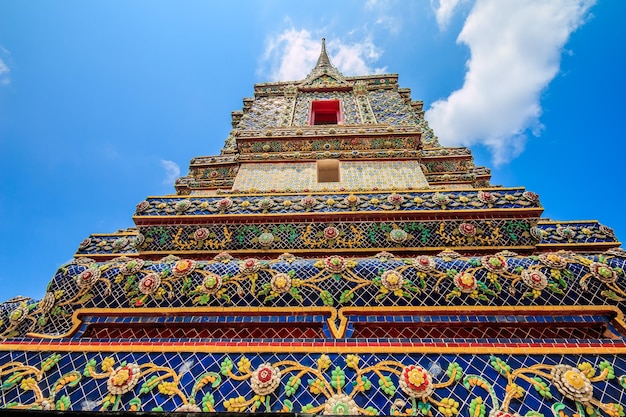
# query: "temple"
333,259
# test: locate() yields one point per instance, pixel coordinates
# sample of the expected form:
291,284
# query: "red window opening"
325,112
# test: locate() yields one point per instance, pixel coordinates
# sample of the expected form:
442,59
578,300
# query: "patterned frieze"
328,144
438,152
545,236
189,185
448,279
340,202
557,234
346,235
393,383
200,161
588,235
327,130
114,243
373,82
456,164
329,154
214,172
447,178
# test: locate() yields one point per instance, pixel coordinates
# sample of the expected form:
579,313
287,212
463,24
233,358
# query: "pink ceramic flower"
331,232
536,280
335,264
201,234
308,202
467,229
224,204
486,197
423,263
395,199
143,206
88,277
249,266
149,283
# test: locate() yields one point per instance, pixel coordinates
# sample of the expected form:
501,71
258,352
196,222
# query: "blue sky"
101,103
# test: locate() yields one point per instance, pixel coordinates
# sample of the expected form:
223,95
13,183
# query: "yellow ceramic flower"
393,278
107,364
121,377
243,365
352,361
323,362
167,388
553,258
281,282
416,377
575,379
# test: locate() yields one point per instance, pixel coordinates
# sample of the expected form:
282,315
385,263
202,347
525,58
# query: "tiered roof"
405,285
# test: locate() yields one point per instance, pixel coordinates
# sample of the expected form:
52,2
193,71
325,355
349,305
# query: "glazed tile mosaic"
384,175
411,286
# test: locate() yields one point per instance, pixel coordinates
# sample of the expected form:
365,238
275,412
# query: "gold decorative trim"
299,193
417,249
333,315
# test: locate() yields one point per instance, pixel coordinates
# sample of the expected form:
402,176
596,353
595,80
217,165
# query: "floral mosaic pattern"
305,235
368,201
328,144
318,384
389,108
561,278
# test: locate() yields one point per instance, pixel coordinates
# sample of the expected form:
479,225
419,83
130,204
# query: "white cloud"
292,55
4,72
387,14
516,47
172,171
444,9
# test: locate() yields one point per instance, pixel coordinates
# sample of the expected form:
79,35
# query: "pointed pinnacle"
323,60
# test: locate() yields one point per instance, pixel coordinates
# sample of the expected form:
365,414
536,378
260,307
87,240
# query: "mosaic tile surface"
353,176
340,327
387,384
553,279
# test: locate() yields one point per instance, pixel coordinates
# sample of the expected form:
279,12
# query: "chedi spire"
324,68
